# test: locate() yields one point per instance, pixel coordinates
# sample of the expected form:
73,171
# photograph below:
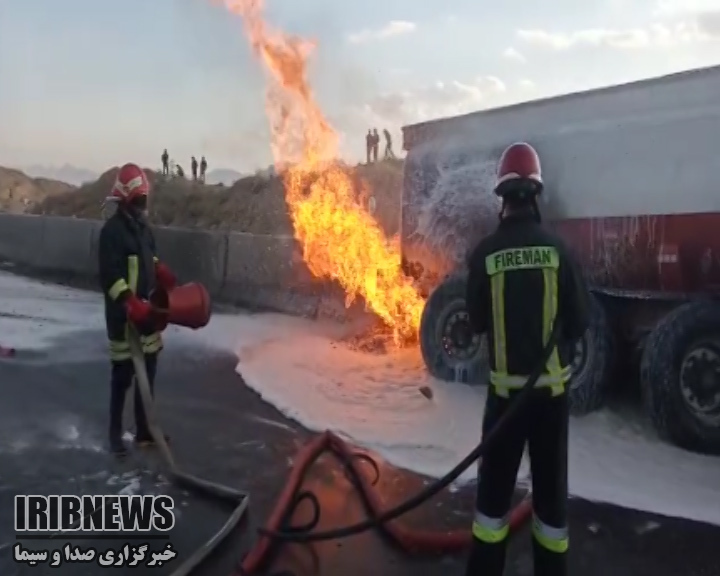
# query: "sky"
98,83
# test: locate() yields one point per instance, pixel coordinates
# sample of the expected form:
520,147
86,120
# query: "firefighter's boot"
486,559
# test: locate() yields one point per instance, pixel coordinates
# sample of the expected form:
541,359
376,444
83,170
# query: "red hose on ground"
411,541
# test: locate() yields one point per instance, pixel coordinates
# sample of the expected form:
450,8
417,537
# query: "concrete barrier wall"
199,256
268,271
66,246
256,271
21,238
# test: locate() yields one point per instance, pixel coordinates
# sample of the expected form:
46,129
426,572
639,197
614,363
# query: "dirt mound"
384,181
20,194
254,204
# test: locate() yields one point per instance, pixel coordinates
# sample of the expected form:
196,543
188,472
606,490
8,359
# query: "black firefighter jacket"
520,278
127,256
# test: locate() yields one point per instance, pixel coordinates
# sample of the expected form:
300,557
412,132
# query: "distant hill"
66,173
254,203
225,176
19,193
79,176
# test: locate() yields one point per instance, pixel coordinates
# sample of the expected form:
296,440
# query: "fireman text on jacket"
522,259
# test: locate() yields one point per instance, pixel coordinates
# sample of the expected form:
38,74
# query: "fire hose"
278,528
410,541
205,488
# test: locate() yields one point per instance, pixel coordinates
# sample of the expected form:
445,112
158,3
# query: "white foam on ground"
63,432
375,400
33,314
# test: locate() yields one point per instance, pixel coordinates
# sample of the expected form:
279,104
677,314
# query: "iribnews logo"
104,513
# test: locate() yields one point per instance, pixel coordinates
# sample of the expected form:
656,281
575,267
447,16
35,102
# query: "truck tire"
593,365
680,376
449,348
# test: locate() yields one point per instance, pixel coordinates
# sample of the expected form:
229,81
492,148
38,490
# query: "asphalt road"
53,408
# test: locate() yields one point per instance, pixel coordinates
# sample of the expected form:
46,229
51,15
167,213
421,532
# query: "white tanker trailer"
632,178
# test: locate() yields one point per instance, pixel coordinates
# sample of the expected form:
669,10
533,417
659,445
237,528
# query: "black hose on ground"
203,487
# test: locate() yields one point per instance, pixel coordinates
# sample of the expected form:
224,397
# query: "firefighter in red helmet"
129,270
520,278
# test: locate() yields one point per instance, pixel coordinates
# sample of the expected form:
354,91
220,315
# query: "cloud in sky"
709,23
697,28
527,85
433,100
392,28
512,54
675,8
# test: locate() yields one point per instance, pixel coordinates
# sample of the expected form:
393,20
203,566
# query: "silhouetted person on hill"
375,144
203,169
165,163
194,168
388,145
368,145
180,171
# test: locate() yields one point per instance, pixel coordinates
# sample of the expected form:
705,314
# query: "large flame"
340,239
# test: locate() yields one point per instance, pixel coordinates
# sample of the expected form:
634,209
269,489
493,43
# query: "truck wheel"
680,376
593,364
449,348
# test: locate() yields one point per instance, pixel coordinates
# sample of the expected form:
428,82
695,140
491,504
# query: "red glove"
138,311
165,277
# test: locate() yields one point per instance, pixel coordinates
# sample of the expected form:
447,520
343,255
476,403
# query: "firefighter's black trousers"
123,373
543,426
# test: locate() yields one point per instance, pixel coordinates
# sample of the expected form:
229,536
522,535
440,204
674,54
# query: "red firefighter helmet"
131,183
519,171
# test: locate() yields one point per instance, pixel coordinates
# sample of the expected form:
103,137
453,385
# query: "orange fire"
340,239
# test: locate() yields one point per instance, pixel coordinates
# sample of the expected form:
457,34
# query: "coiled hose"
278,529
